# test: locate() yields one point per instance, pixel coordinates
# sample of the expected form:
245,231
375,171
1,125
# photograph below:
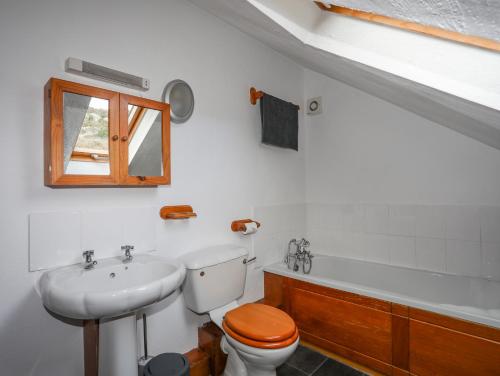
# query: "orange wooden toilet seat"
260,326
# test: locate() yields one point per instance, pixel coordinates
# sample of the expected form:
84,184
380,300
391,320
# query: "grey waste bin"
168,364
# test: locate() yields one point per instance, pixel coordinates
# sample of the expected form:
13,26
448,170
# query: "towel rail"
255,95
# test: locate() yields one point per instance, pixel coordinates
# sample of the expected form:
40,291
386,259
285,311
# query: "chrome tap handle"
128,249
302,245
289,253
88,257
307,263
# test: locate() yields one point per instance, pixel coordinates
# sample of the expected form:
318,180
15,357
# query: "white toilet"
258,338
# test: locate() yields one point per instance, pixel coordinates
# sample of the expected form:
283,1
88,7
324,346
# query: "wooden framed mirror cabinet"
98,137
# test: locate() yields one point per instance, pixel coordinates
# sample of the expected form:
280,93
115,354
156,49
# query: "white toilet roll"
250,228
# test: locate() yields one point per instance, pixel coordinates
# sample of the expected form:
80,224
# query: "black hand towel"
280,122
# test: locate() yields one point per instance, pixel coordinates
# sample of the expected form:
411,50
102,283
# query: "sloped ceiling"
470,17
295,40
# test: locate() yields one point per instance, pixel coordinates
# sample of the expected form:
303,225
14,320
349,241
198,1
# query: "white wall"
363,149
386,185
218,165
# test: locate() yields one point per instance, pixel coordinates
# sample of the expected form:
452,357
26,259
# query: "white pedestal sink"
111,289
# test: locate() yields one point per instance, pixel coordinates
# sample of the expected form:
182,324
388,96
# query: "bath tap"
301,256
289,254
89,263
303,244
128,256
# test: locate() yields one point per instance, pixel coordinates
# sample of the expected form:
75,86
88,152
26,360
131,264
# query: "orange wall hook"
255,95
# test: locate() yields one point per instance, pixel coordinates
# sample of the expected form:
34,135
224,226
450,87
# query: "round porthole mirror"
181,99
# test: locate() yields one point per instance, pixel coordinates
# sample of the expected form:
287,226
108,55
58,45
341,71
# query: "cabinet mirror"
86,135
144,146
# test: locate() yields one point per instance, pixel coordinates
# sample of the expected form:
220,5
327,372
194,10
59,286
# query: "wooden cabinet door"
144,141
81,135
435,350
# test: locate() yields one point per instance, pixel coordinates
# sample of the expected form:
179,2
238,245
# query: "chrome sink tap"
128,255
89,263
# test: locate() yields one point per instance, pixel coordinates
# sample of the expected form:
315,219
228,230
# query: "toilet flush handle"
245,261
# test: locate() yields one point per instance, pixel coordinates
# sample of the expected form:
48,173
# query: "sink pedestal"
118,346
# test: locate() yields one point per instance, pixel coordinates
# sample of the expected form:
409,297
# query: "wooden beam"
437,32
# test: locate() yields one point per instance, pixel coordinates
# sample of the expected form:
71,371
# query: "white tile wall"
54,239
402,221
376,248
490,267
353,218
463,257
461,240
431,222
490,224
402,251
322,239
58,239
101,231
431,254
280,223
377,219
139,227
354,244
462,223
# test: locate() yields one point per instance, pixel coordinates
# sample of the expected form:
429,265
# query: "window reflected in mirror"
86,135
145,156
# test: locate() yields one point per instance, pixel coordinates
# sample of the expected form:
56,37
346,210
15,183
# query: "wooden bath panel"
275,292
389,338
364,330
443,345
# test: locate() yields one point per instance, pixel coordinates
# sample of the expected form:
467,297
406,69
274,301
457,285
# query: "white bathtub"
473,299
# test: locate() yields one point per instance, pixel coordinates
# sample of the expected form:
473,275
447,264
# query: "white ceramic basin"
112,288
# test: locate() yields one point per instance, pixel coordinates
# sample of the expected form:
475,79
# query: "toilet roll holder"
240,225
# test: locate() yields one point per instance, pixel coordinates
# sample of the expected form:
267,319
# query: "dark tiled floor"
306,362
